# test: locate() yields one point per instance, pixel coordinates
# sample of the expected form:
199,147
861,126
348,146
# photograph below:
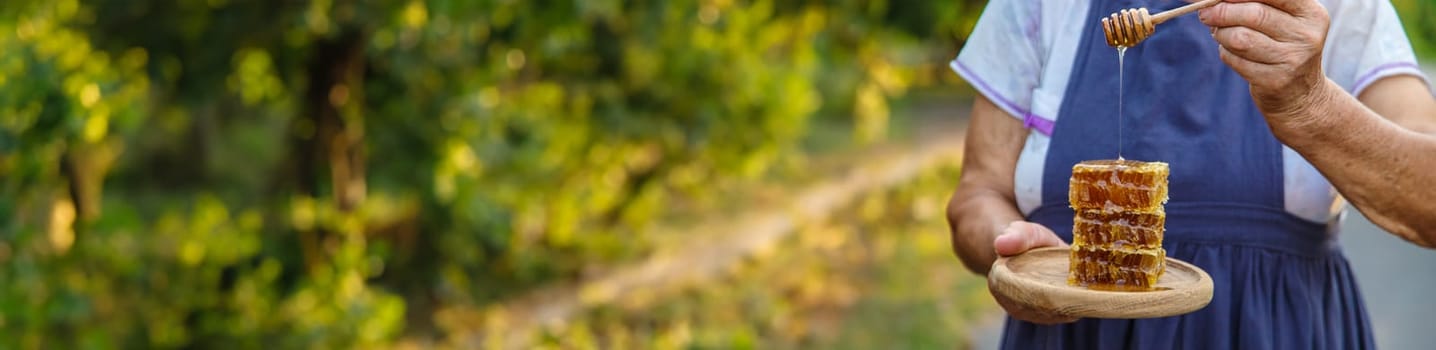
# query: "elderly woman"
1265,109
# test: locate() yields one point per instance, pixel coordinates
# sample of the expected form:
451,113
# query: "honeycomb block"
1118,226
1099,228
1118,185
1125,269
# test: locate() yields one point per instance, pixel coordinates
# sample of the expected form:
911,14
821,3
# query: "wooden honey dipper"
1128,27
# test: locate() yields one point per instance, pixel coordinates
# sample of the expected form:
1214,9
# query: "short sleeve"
1001,58
1365,44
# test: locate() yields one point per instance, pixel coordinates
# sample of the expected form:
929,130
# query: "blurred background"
494,174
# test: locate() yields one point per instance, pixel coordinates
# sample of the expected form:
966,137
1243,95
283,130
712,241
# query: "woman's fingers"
1257,73
1300,8
1260,17
1251,45
1275,44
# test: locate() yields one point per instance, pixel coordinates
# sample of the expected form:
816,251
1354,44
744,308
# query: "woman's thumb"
1021,236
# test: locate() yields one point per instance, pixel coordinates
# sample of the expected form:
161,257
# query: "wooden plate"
1038,279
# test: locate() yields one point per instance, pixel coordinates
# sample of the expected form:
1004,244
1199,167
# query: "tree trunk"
329,135
336,103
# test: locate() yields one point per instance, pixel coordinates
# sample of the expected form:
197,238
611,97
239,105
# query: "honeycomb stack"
1117,231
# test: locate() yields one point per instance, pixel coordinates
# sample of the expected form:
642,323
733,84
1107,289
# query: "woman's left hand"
1276,45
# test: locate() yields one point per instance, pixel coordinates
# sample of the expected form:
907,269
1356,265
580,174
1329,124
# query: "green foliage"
1422,32
175,174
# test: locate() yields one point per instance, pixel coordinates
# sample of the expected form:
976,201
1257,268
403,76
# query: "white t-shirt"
1021,53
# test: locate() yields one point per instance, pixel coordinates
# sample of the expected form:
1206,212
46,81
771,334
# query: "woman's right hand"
1017,238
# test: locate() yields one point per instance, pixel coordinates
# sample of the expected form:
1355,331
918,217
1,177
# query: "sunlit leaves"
457,163
508,144
58,90
253,77
871,112
1421,32
414,15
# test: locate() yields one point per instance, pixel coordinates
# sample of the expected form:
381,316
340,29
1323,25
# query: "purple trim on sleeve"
1029,120
1374,73
1036,122
987,89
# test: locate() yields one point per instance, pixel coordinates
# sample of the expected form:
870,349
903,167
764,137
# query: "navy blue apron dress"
1280,281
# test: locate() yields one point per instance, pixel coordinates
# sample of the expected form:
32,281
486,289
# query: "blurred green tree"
323,173
1421,32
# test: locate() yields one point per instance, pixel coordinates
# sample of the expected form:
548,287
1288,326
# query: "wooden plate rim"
1181,297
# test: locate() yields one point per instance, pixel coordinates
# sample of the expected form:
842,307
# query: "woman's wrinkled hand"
1276,45
1017,238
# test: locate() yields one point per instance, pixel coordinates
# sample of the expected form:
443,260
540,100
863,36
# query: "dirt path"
715,244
